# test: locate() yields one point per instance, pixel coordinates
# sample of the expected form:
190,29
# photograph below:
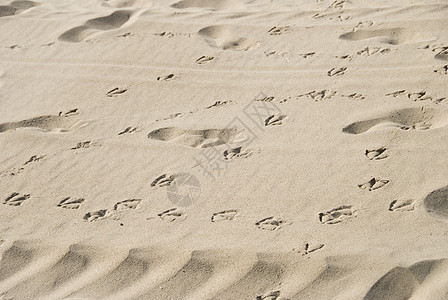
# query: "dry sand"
224,149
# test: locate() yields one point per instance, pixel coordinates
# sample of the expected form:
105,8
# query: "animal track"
225,215
172,215
47,123
237,153
265,99
274,120
442,70
118,207
436,48
185,189
420,96
271,53
166,34
337,71
318,16
402,205
169,34
166,78
34,158
223,37
16,199
320,95
271,295
347,56
194,138
72,112
115,20
116,92
12,172
129,130
330,15
125,35
363,25
172,116
337,215
97,215
278,30
218,104
176,115
306,55
203,59
164,180
341,18
15,171
377,154
85,145
271,223
127,204
367,51
70,203
355,96
15,46
81,145
337,4
373,184
441,51
417,96
396,93
308,248
404,119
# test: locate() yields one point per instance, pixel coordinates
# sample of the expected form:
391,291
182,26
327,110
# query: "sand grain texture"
223,149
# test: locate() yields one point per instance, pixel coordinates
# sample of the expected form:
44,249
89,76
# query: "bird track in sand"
16,199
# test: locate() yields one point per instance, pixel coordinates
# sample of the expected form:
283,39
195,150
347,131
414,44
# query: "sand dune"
213,274
112,21
16,7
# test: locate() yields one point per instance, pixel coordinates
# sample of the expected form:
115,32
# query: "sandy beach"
224,149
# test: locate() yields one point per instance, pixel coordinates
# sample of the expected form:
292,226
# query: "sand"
223,149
